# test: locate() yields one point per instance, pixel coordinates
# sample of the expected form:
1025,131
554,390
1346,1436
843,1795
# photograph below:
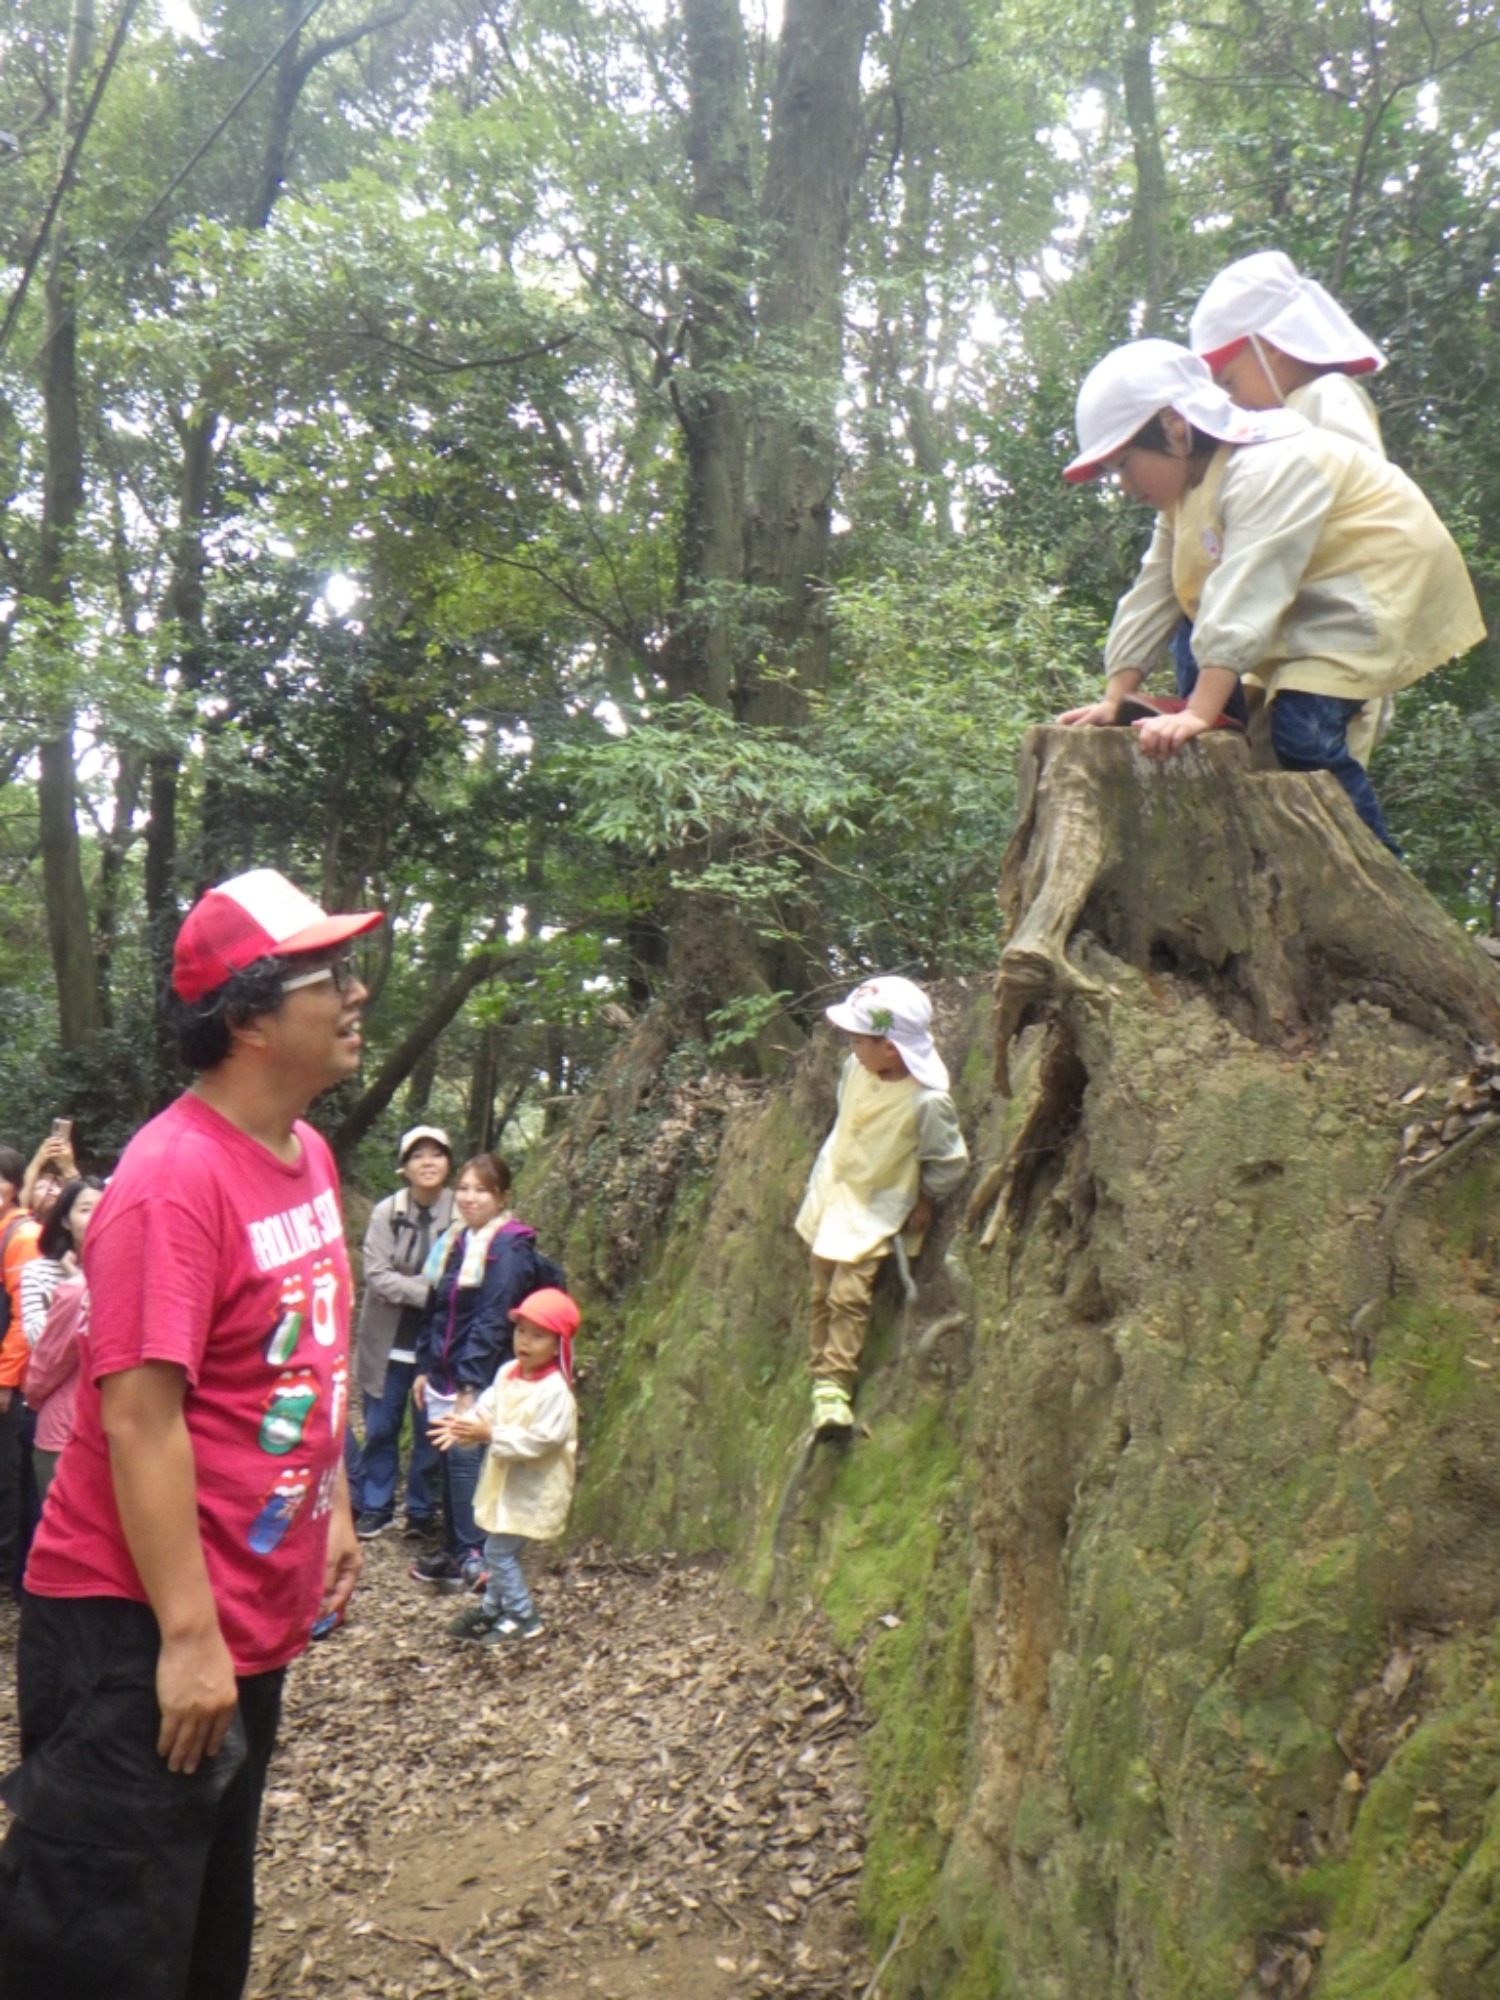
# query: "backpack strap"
5,1235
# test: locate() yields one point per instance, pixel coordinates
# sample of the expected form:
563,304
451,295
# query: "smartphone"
62,1128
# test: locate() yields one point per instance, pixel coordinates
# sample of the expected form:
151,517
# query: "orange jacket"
20,1250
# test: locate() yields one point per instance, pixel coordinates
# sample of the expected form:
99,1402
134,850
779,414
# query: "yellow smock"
889,1141
1306,562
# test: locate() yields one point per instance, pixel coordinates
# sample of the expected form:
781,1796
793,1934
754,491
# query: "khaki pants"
842,1296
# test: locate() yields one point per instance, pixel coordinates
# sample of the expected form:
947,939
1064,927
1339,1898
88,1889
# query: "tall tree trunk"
484,1081
1149,214
439,970
184,601
814,157
79,1011
708,395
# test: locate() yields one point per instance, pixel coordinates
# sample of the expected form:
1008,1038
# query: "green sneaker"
471,1623
832,1413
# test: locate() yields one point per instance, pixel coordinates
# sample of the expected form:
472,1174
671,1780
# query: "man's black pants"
120,1879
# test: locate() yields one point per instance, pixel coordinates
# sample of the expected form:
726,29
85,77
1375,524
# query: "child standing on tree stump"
1312,568
894,1150
1275,339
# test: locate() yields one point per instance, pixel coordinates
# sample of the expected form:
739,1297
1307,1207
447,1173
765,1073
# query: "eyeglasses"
343,972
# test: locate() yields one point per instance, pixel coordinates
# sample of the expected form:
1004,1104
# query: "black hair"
202,1027
55,1236
12,1167
1152,436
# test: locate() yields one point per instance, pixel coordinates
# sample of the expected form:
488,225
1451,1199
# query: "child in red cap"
529,1420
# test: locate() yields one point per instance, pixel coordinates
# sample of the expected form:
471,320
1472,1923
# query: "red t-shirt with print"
209,1252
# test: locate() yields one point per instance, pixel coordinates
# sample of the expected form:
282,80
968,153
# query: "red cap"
553,1311
1220,357
254,916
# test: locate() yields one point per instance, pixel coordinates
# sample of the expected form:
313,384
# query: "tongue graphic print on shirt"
325,1289
288,1408
279,1509
291,1310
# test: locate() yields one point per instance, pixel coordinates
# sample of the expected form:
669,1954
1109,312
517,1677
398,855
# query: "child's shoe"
506,1630
443,1572
832,1412
471,1623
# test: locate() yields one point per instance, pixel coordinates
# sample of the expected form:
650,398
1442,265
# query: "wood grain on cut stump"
1267,886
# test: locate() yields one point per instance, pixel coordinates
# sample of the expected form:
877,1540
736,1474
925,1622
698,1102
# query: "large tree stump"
1266,887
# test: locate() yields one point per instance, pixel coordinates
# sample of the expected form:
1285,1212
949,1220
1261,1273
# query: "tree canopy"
585,476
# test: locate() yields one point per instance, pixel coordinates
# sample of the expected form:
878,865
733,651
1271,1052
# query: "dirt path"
651,1801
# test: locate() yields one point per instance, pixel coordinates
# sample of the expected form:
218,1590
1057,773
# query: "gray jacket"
393,1280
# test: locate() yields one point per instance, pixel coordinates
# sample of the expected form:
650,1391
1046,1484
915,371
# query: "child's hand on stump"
1164,735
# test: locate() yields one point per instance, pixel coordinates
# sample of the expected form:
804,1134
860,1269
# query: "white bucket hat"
1131,386
1267,295
901,1011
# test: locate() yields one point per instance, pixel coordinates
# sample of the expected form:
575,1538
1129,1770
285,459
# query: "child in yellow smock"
1307,564
894,1150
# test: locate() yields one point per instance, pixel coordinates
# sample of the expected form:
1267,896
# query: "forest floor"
655,1799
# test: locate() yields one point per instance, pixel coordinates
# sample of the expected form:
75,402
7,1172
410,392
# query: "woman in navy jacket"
483,1266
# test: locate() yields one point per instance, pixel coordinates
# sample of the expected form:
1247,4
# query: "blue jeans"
380,1460
506,1595
1185,667
459,1469
1310,732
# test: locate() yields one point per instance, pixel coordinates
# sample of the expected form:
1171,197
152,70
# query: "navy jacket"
466,1332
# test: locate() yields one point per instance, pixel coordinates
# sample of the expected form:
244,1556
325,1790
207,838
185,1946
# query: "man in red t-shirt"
199,1519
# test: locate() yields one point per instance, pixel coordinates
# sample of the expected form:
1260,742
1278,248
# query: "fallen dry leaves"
654,1799
1469,1103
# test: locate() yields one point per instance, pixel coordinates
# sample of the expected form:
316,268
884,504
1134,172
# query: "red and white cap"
1123,392
1266,295
252,916
554,1312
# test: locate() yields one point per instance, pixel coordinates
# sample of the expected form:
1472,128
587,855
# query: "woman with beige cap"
398,1241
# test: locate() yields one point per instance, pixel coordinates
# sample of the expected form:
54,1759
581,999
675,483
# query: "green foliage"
741,1020
896,798
453,352
1440,782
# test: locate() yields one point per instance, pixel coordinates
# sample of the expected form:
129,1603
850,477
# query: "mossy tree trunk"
1232,1413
